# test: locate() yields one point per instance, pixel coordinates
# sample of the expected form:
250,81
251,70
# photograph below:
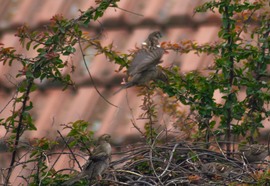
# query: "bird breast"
106,147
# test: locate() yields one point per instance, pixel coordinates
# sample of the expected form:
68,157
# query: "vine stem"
231,78
18,132
90,75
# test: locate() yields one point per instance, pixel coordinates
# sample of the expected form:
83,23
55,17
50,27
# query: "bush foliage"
240,64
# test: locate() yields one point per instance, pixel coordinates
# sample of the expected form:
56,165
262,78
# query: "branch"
19,128
83,56
231,76
70,150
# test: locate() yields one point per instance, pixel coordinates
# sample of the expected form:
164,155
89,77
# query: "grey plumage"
254,152
97,163
145,60
143,68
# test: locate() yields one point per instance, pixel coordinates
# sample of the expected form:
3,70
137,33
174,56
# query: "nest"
179,164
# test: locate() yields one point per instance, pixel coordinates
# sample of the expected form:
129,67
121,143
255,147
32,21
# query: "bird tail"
127,85
162,75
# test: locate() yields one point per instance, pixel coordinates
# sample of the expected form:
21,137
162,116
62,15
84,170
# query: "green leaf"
29,107
72,143
28,45
31,126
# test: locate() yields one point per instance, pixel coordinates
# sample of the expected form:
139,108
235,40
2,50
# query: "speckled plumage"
97,163
143,68
253,152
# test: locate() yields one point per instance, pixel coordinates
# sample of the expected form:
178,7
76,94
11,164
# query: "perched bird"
97,163
253,152
143,68
144,61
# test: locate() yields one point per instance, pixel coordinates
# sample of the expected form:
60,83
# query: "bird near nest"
143,67
97,163
253,152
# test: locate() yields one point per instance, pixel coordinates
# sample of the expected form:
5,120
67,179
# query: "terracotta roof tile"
192,61
81,104
54,107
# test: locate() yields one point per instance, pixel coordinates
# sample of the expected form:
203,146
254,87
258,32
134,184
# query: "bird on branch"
97,163
143,67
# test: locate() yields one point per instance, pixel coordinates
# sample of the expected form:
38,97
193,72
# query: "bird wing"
144,59
99,157
257,149
95,157
100,153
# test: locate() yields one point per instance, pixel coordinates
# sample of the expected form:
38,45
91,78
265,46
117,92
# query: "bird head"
104,137
155,35
152,40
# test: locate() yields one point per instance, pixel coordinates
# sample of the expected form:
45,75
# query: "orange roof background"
126,30
52,106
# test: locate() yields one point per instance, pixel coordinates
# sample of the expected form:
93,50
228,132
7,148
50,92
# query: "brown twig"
89,73
19,128
74,157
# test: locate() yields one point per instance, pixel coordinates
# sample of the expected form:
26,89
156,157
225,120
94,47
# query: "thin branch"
170,159
13,97
70,150
133,119
8,89
130,172
19,128
43,177
230,43
84,61
137,14
151,158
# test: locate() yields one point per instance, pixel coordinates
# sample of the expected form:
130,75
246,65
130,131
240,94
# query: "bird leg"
99,178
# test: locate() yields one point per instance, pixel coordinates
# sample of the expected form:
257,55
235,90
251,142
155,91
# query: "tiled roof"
81,104
53,106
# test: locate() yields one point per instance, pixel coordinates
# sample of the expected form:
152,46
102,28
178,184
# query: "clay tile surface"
54,107
126,30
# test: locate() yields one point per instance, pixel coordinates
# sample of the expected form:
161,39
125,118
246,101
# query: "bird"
145,61
253,152
143,67
97,163
219,169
